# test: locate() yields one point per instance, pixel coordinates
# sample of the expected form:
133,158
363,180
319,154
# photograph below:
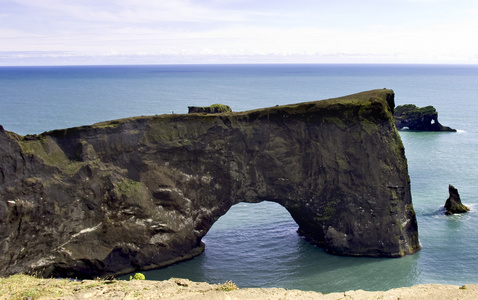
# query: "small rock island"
418,118
141,193
453,204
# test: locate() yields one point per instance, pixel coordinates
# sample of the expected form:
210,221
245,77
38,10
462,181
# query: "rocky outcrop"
212,109
453,204
140,193
418,118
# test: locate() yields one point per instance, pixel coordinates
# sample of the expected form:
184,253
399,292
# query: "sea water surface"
256,245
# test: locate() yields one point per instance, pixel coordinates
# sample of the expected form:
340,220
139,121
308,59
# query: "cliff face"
140,193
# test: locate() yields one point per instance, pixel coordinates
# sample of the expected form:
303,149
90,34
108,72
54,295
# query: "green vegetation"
339,122
109,124
213,109
220,108
342,162
227,286
47,150
329,211
137,276
134,193
369,126
130,187
31,287
413,109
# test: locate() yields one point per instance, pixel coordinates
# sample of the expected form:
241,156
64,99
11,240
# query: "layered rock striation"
140,193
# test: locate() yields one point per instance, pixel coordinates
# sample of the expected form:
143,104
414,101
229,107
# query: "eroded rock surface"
453,204
418,118
140,193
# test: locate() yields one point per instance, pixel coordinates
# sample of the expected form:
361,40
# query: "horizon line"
239,63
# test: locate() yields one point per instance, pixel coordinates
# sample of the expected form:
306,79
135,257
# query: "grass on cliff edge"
30,287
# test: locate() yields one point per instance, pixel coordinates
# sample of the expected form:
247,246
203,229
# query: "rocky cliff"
418,118
140,193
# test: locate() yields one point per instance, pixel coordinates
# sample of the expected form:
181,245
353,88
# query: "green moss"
178,130
329,211
108,124
398,150
339,122
221,108
369,126
342,162
212,109
49,152
411,109
130,188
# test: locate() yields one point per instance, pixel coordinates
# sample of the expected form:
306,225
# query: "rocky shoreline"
27,287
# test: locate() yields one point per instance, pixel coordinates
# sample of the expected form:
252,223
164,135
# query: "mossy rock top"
212,109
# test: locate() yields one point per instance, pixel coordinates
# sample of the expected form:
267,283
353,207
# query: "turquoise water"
256,245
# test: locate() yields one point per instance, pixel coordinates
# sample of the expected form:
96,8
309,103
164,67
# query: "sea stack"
453,204
418,118
141,193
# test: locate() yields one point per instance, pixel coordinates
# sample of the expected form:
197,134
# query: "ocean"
256,245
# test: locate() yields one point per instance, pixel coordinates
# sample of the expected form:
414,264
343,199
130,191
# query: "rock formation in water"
140,193
418,118
453,204
213,109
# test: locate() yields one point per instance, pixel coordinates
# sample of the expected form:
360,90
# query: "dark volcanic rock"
453,204
418,118
140,193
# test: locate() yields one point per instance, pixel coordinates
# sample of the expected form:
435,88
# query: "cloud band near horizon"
235,31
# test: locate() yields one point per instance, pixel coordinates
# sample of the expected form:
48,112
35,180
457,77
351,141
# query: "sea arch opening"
253,245
253,238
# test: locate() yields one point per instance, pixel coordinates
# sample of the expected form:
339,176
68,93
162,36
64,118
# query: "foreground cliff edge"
25,287
140,193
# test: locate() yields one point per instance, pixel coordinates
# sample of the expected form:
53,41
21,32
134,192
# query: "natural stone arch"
140,193
263,233
254,216
411,117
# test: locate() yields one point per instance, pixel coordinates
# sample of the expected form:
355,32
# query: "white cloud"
226,28
129,11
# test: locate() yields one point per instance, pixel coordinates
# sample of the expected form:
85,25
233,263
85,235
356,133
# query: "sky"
72,32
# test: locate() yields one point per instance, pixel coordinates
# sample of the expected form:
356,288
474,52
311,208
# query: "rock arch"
249,237
252,220
140,193
411,117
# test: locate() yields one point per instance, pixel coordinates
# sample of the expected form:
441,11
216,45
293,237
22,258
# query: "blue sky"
44,32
